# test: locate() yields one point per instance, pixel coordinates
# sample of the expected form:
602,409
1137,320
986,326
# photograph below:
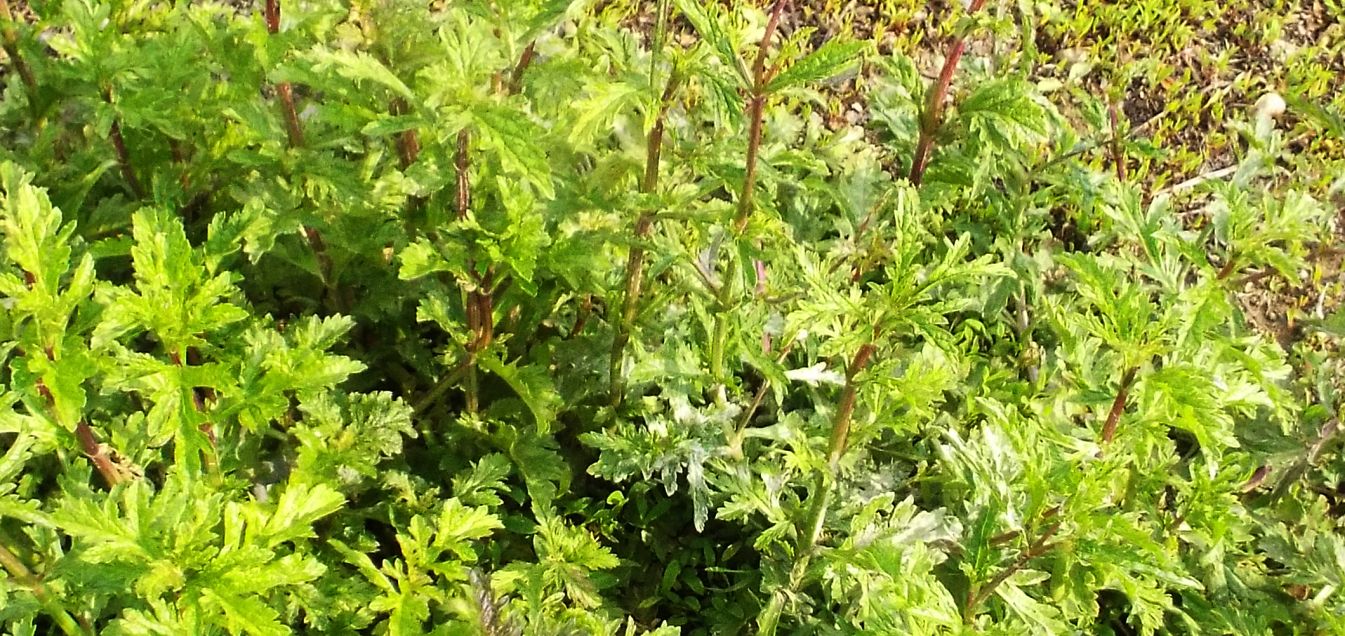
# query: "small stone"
1270,106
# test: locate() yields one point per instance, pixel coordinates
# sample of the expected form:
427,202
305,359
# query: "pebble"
1270,106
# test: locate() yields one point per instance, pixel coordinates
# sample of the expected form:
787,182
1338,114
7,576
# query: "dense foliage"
552,316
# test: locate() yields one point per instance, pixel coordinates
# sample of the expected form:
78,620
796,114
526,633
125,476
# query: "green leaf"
421,259
513,137
708,24
1333,324
829,60
358,66
33,236
481,484
459,526
298,508
533,386
246,614
1004,112
603,103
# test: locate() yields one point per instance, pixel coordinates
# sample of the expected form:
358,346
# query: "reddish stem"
1229,267
485,299
1117,151
840,429
635,262
976,596
408,143
516,77
97,454
1118,405
772,25
284,91
293,129
124,159
756,103
479,303
10,39
272,14
464,196
931,118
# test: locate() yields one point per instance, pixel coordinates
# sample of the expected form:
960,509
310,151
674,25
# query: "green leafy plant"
548,317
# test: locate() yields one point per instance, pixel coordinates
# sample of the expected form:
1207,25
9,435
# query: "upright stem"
9,39
293,130
719,337
755,106
479,303
756,103
97,454
319,247
20,572
644,225
295,137
1117,149
283,90
840,428
477,323
635,264
1118,405
124,159
931,118
524,61
408,143
769,619
1229,267
271,12
123,155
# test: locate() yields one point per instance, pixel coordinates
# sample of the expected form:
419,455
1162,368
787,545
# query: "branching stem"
23,576
477,322
97,454
635,262
755,107
978,594
769,619
756,104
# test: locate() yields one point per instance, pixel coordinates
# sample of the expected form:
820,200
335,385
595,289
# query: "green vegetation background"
619,317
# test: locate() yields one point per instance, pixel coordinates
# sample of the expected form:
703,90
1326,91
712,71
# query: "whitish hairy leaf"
815,375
